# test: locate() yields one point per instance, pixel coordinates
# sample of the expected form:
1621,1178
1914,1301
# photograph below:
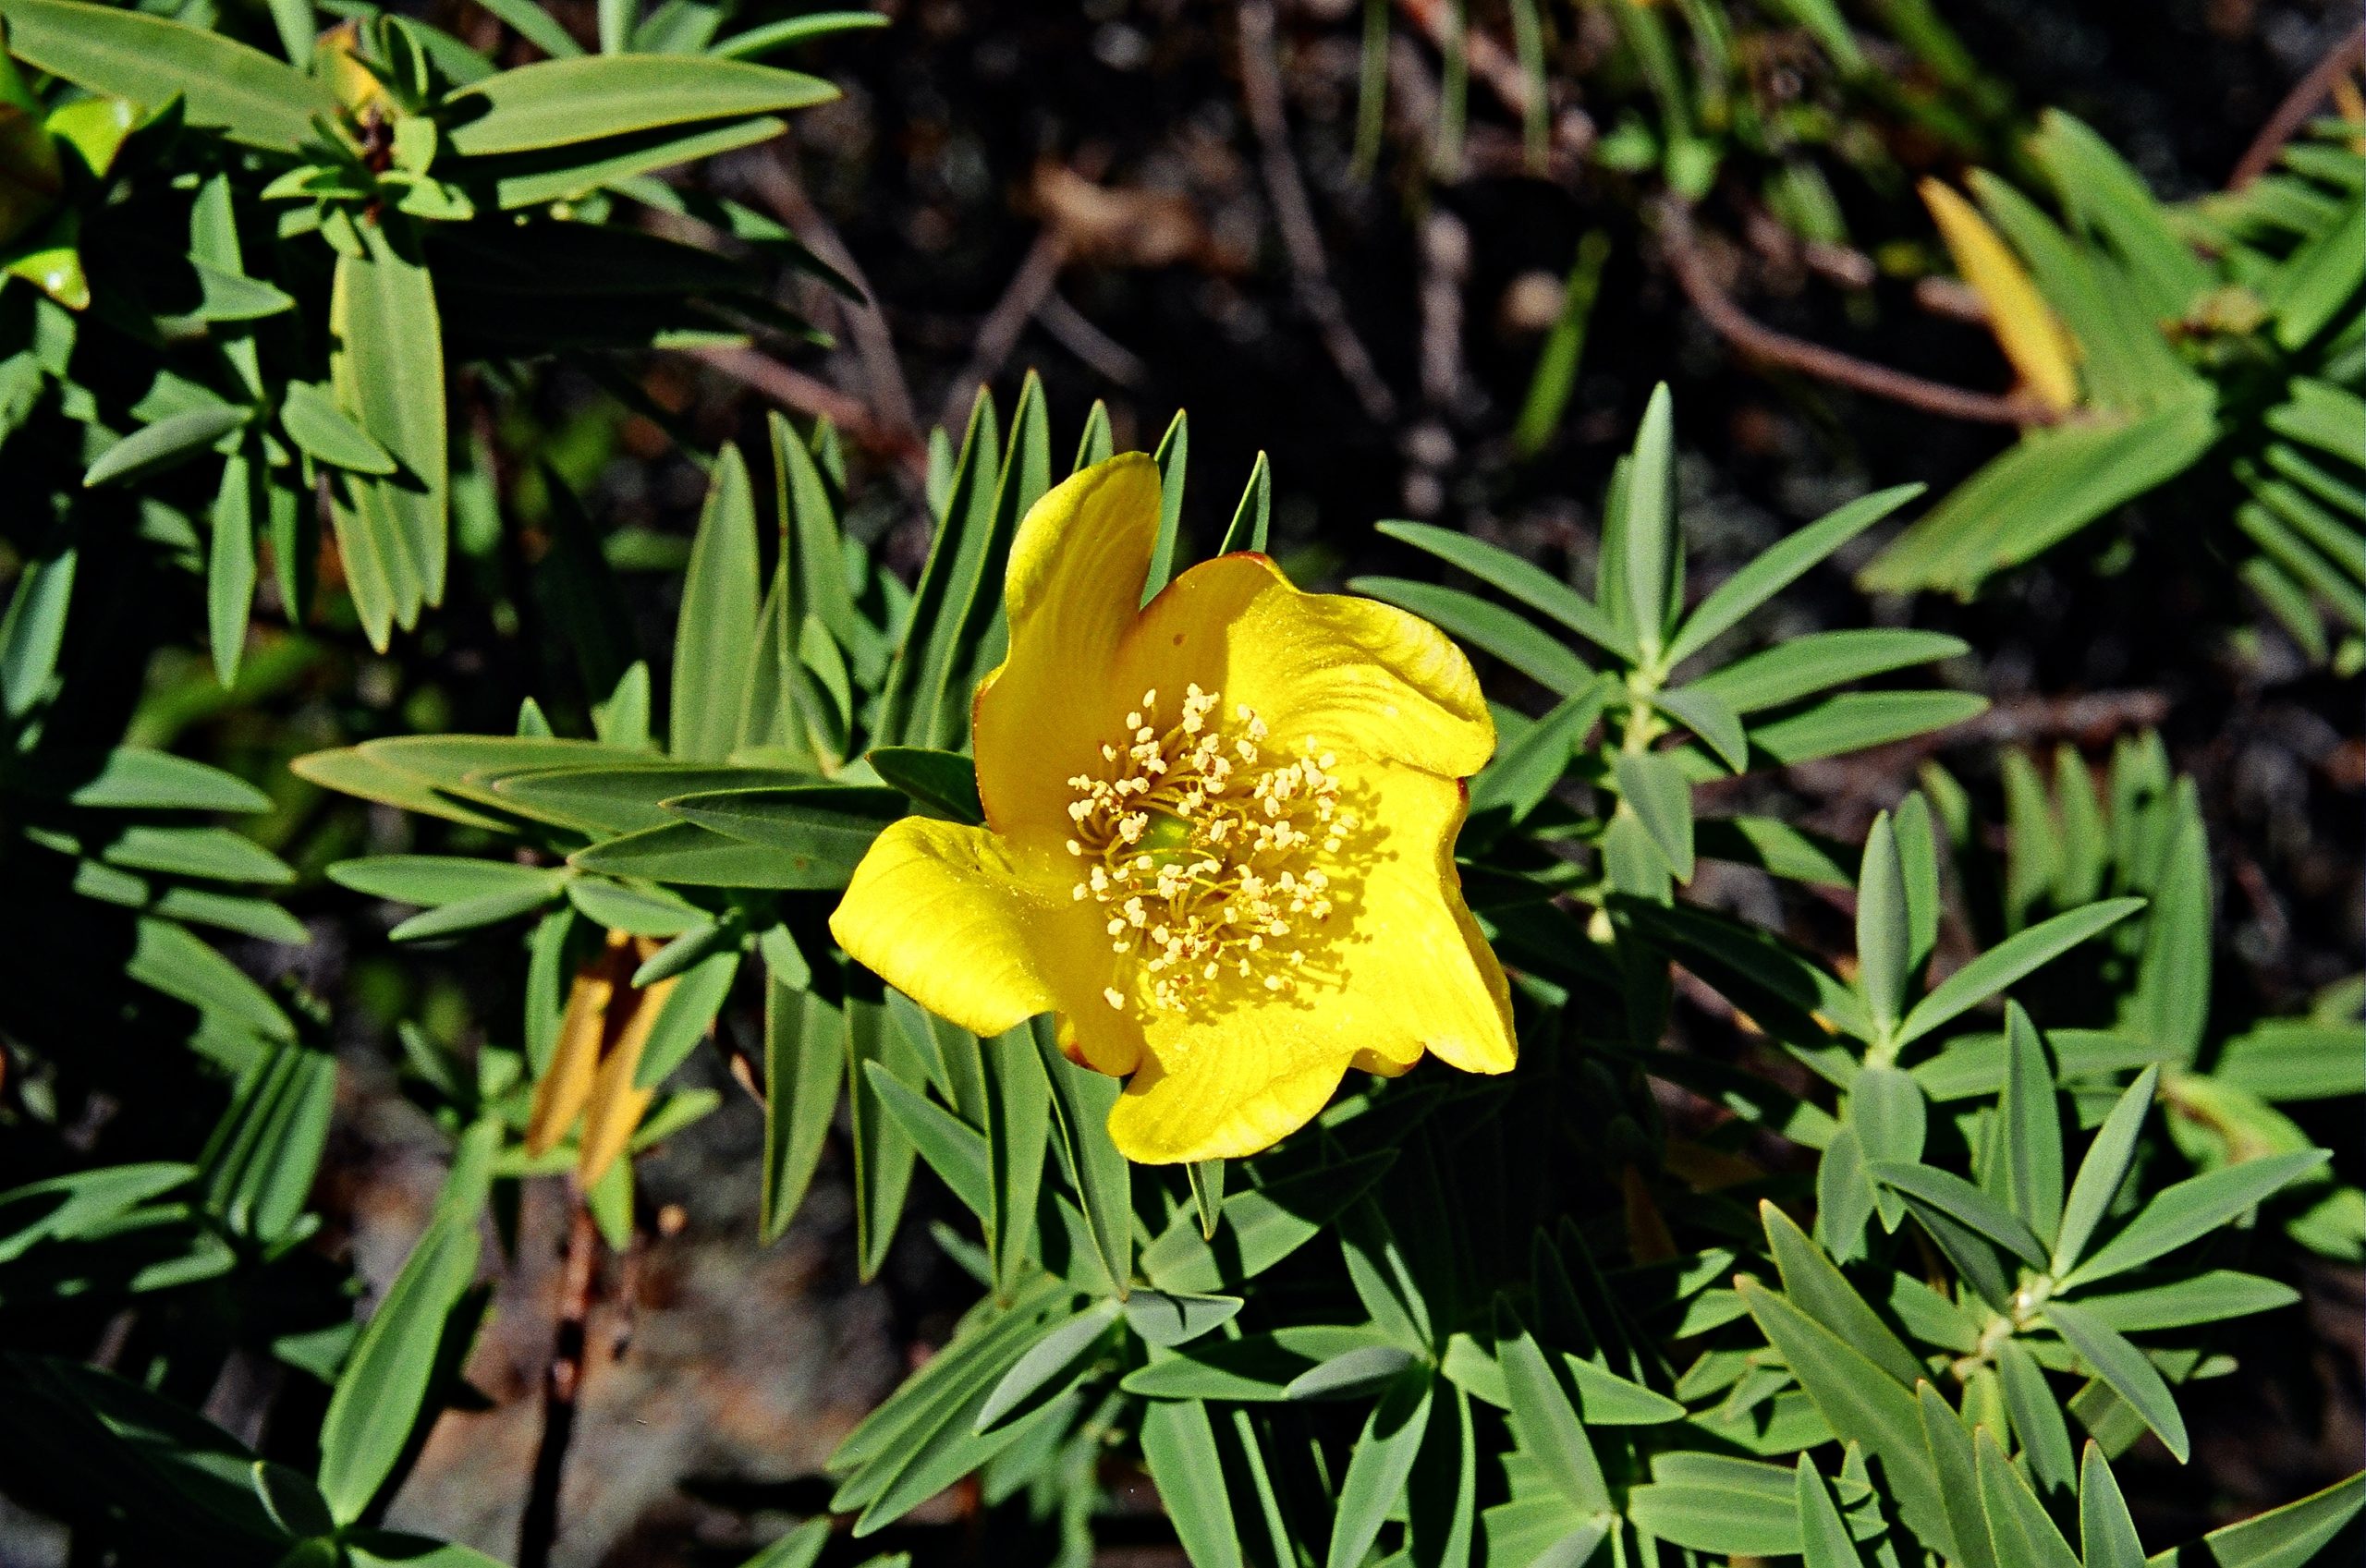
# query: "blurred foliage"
1885,1248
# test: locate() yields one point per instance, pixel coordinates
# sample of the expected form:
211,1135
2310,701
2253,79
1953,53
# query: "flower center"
1202,852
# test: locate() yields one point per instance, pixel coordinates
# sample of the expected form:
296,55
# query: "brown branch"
1261,87
1754,339
776,180
562,1385
2297,105
1488,60
999,332
1104,355
795,390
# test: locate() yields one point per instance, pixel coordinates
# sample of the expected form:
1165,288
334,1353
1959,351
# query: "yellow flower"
1219,838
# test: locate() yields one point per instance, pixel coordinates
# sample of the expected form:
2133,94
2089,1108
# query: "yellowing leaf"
2027,329
559,1098
616,1105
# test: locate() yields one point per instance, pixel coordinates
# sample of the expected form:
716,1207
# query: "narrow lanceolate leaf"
1546,1420
1817,1288
1171,457
1523,580
2106,1533
1966,1204
1180,1449
2192,1208
2100,1173
2008,961
2038,1426
120,53
1018,1120
714,640
2032,1128
2018,1526
2124,1367
1861,1402
1649,534
230,564
387,371
2289,1536
1100,1176
177,438
1883,943
1654,788
1378,1467
1049,1367
1252,519
1778,567
384,1383
555,102
1823,1535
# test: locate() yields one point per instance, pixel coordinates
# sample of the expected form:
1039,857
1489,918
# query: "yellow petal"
983,935
1077,569
566,1082
2026,327
1365,679
1410,973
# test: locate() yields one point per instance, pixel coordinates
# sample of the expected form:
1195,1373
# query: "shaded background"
1082,191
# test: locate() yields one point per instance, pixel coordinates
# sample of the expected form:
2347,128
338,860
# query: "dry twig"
562,1387
2297,105
1756,340
1260,84
793,389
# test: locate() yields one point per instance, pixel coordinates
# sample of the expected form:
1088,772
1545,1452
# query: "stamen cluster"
1203,854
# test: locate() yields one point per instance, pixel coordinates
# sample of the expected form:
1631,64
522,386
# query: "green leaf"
230,563
1261,1227
2008,961
1379,1466
693,856
2052,483
1779,566
714,640
1647,531
1019,1125
1524,772
2108,197
2018,1524
432,880
2036,1416
1790,671
1545,1419
172,439
2282,1060
687,1012
387,370
1172,458
2219,1295
558,102
1816,1288
1858,721
1822,1536
1179,1450
2032,1130
1884,942
68,1206
2124,1367
2190,1210
314,422
1050,1367
379,1396
944,782
2106,1533
817,833
2289,1536
604,801
922,669
1101,1178
883,1155
536,25
1948,1442
1964,1203
1708,715
1491,628
259,1164
222,83
1654,788
1166,1320
796,29
805,1065
1861,1402
801,1548
1352,1373
2102,1171
1523,580
1252,519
